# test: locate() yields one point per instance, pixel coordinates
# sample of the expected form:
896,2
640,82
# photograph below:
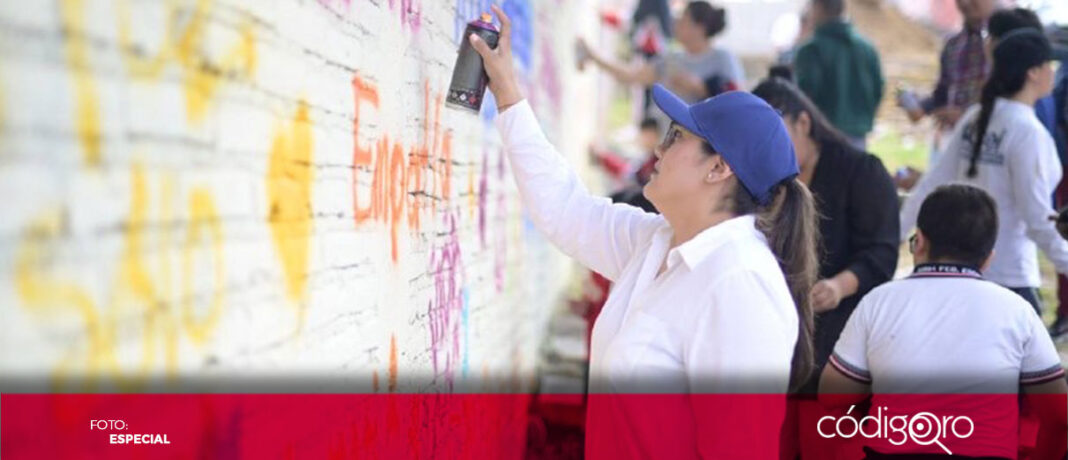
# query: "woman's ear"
920,247
718,170
1034,74
804,123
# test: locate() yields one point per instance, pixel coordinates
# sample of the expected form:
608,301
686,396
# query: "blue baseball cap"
745,130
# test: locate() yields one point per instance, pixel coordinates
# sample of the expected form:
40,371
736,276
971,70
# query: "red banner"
134,426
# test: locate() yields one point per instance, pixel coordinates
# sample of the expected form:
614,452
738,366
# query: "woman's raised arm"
600,235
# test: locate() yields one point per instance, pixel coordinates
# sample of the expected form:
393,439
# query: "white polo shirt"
720,319
946,331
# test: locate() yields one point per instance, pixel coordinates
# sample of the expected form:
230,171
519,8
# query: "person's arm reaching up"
644,74
940,96
591,229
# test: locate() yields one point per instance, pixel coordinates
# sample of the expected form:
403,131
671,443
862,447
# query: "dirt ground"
909,50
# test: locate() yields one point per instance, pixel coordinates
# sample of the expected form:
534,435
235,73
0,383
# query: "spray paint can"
469,77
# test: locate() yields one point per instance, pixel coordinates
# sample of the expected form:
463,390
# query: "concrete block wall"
271,190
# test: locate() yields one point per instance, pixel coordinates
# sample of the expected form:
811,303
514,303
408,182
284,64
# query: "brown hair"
790,223
712,18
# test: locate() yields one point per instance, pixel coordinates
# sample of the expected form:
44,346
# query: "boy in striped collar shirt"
947,342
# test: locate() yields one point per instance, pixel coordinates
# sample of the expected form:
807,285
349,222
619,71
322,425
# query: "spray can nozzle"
486,17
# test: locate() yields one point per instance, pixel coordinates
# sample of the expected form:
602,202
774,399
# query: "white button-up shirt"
719,319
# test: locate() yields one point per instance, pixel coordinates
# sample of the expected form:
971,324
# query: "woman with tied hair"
1001,146
710,298
699,70
857,203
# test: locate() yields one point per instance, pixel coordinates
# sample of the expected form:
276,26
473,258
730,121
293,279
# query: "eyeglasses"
912,243
673,136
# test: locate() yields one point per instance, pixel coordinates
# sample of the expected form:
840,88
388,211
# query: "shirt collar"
974,30
1012,104
701,245
940,270
836,27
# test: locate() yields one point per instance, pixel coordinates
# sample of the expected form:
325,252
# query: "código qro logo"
922,428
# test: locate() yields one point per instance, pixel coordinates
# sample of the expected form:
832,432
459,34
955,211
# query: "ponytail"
991,91
789,223
1015,54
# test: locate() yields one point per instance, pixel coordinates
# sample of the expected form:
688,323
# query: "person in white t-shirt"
1016,162
701,305
947,342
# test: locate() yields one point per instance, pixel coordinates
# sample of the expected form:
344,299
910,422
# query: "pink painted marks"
549,76
500,241
483,190
446,307
411,13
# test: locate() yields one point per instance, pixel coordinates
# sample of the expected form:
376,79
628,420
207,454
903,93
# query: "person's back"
990,327
840,71
950,344
945,344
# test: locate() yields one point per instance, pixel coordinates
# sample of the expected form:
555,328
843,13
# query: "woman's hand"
828,293
498,62
825,296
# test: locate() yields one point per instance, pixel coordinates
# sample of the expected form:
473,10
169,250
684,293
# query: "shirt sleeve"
850,356
873,225
598,234
1041,363
1033,167
940,96
944,171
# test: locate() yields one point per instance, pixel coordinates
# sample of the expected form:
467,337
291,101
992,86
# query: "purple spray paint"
469,77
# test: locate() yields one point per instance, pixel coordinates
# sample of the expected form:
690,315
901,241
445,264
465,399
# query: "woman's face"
1042,77
686,29
680,170
799,127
